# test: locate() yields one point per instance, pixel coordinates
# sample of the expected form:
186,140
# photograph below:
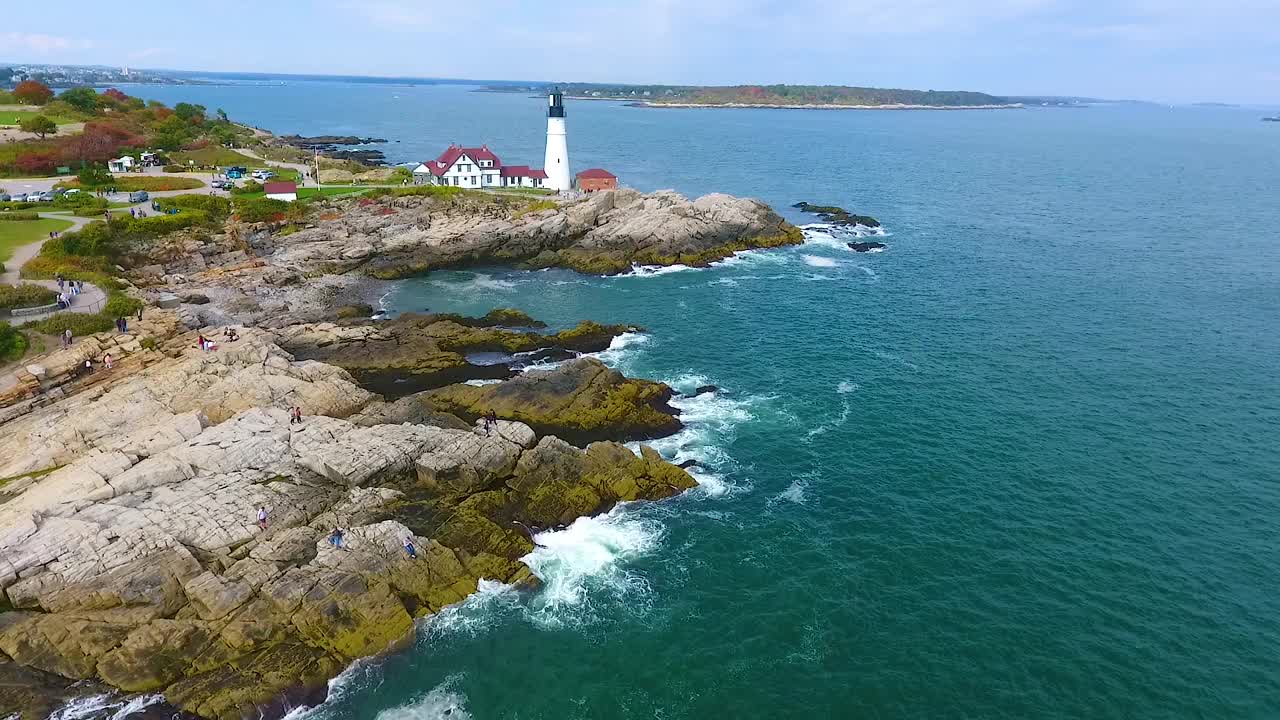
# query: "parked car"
32,197
48,196
223,184
263,174
4,197
73,191
139,196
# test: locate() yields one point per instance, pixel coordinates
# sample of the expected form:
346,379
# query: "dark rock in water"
837,215
687,464
368,157
866,246
704,389
311,143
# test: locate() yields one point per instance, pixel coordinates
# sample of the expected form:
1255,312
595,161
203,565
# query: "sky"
1164,50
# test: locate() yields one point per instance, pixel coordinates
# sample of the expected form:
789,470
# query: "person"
67,336
262,518
124,324
139,313
335,538
493,419
409,548
295,415
106,360
88,366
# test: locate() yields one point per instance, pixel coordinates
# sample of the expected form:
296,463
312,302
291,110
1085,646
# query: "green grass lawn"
22,232
14,117
213,156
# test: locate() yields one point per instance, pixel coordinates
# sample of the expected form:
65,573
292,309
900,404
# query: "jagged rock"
866,246
581,401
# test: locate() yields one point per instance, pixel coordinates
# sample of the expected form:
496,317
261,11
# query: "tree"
84,99
92,177
32,92
222,115
116,95
171,133
39,124
39,162
187,111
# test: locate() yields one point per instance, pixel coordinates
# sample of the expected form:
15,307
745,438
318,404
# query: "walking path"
90,301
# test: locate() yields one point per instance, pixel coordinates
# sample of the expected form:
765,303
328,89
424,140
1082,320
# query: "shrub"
80,324
250,187
13,344
120,305
260,209
84,99
26,295
436,191
174,168
218,207
19,216
40,162
39,125
148,343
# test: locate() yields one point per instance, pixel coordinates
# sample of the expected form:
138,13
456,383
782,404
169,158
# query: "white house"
475,168
287,191
119,165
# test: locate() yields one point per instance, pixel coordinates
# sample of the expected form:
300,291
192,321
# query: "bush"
120,305
13,344
218,207
149,343
80,324
250,187
26,295
32,92
260,209
436,191
174,168
19,216
17,205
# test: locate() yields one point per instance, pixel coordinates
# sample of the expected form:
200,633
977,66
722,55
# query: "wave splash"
585,563
108,706
443,701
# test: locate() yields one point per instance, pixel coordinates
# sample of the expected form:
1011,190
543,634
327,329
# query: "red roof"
523,171
597,174
451,155
280,188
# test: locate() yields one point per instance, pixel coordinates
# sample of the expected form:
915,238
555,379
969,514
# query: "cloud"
136,55
40,43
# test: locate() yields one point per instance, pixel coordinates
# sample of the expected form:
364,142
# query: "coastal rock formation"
837,216
421,352
131,555
581,401
867,246
605,233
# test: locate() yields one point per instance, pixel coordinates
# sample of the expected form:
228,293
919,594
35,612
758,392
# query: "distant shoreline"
775,106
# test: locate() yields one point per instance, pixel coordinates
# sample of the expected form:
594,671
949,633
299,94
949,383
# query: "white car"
263,174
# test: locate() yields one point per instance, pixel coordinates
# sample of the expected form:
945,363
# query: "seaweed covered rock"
837,215
580,401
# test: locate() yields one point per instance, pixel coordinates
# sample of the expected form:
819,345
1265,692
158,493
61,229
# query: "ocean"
1023,463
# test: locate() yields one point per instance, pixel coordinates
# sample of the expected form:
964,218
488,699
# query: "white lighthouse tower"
556,162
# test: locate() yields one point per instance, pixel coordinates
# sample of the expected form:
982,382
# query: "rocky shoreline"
130,553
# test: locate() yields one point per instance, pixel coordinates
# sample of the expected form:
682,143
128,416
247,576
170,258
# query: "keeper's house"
475,168
596,179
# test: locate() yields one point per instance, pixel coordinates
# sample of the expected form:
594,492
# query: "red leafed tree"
98,143
116,95
32,92
39,162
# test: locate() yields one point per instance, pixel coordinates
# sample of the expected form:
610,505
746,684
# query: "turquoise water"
1023,463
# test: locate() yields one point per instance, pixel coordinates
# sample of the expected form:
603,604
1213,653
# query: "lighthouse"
556,162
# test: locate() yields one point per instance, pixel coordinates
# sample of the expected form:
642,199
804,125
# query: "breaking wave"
622,351
653,270
105,706
443,701
819,261
585,564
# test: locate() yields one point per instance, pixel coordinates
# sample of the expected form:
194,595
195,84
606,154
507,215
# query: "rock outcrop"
837,215
131,555
582,400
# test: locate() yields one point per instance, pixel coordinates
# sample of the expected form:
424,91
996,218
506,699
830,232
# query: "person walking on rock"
335,538
66,337
409,548
106,360
262,518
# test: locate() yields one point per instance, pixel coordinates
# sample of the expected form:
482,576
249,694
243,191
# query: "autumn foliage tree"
32,92
99,142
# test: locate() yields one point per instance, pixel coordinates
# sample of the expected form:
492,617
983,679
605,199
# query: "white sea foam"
819,261
843,389
482,382
622,350
770,256
477,284
475,614
653,270
106,706
589,558
444,701
795,492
